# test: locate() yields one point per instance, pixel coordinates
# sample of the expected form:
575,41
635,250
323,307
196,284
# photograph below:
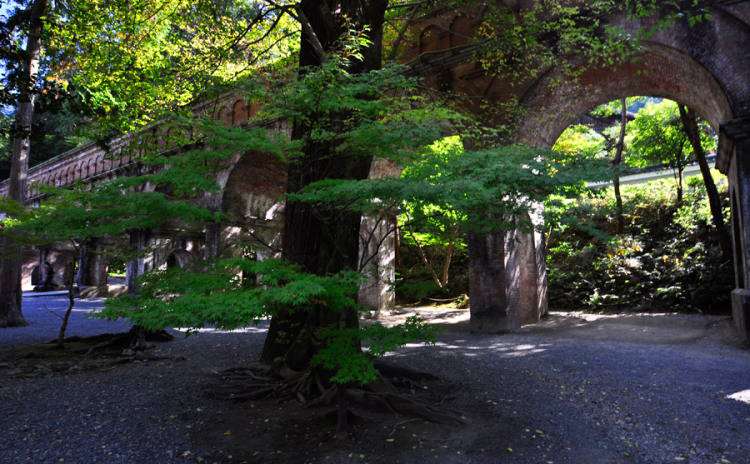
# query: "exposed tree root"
398,391
127,343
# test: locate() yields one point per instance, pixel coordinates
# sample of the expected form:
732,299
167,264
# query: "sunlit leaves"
137,61
482,191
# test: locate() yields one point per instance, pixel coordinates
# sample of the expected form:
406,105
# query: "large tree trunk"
10,277
322,241
616,163
690,125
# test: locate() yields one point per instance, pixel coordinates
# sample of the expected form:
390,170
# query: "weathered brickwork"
706,66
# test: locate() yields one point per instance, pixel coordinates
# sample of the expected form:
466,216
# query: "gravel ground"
540,396
44,315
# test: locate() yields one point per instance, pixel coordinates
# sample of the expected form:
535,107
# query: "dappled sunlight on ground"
472,349
743,396
668,328
211,330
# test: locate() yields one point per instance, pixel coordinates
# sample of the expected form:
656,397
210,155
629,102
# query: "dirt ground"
272,432
575,388
662,328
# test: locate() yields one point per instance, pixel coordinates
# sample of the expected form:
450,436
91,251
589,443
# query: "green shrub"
668,259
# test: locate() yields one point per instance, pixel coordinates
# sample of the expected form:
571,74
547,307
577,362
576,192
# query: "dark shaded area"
531,397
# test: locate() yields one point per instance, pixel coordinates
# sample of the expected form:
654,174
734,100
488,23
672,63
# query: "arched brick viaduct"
706,66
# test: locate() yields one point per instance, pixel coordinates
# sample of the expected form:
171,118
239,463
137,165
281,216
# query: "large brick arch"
240,112
705,66
660,71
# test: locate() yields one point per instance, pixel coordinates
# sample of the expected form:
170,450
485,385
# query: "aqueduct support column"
508,277
44,271
213,240
140,240
377,250
92,269
490,312
738,132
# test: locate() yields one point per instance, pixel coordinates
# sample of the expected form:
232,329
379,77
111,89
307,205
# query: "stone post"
44,271
737,132
377,250
92,269
377,254
139,241
508,276
213,240
488,284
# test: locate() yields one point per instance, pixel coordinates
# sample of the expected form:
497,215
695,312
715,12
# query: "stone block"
741,312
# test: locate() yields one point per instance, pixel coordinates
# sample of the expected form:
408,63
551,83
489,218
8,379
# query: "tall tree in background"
24,78
657,138
690,126
616,162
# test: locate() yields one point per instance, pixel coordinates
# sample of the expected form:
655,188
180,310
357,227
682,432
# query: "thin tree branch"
394,49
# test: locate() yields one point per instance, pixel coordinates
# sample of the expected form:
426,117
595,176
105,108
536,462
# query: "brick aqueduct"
705,66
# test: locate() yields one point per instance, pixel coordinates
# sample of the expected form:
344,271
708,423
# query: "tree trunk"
322,240
616,163
690,124
68,311
425,260
445,273
10,277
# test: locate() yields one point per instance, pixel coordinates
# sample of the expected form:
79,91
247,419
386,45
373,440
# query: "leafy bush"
234,292
668,259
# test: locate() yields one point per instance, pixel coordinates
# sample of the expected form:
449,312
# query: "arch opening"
657,246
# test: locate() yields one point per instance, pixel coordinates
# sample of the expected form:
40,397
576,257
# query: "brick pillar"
92,268
737,134
213,240
508,276
140,240
45,274
377,251
488,285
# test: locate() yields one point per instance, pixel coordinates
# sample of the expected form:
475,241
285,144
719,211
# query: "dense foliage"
668,259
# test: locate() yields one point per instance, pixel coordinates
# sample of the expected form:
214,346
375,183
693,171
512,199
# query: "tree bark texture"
10,274
690,124
322,240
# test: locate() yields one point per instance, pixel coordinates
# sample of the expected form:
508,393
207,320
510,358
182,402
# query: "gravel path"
544,396
44,315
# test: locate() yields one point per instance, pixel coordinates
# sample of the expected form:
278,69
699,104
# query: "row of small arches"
235,113
82,170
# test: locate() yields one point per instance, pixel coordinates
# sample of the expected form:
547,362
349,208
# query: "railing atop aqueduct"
91,162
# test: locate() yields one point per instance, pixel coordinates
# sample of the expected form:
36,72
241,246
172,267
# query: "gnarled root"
127,343
398,391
